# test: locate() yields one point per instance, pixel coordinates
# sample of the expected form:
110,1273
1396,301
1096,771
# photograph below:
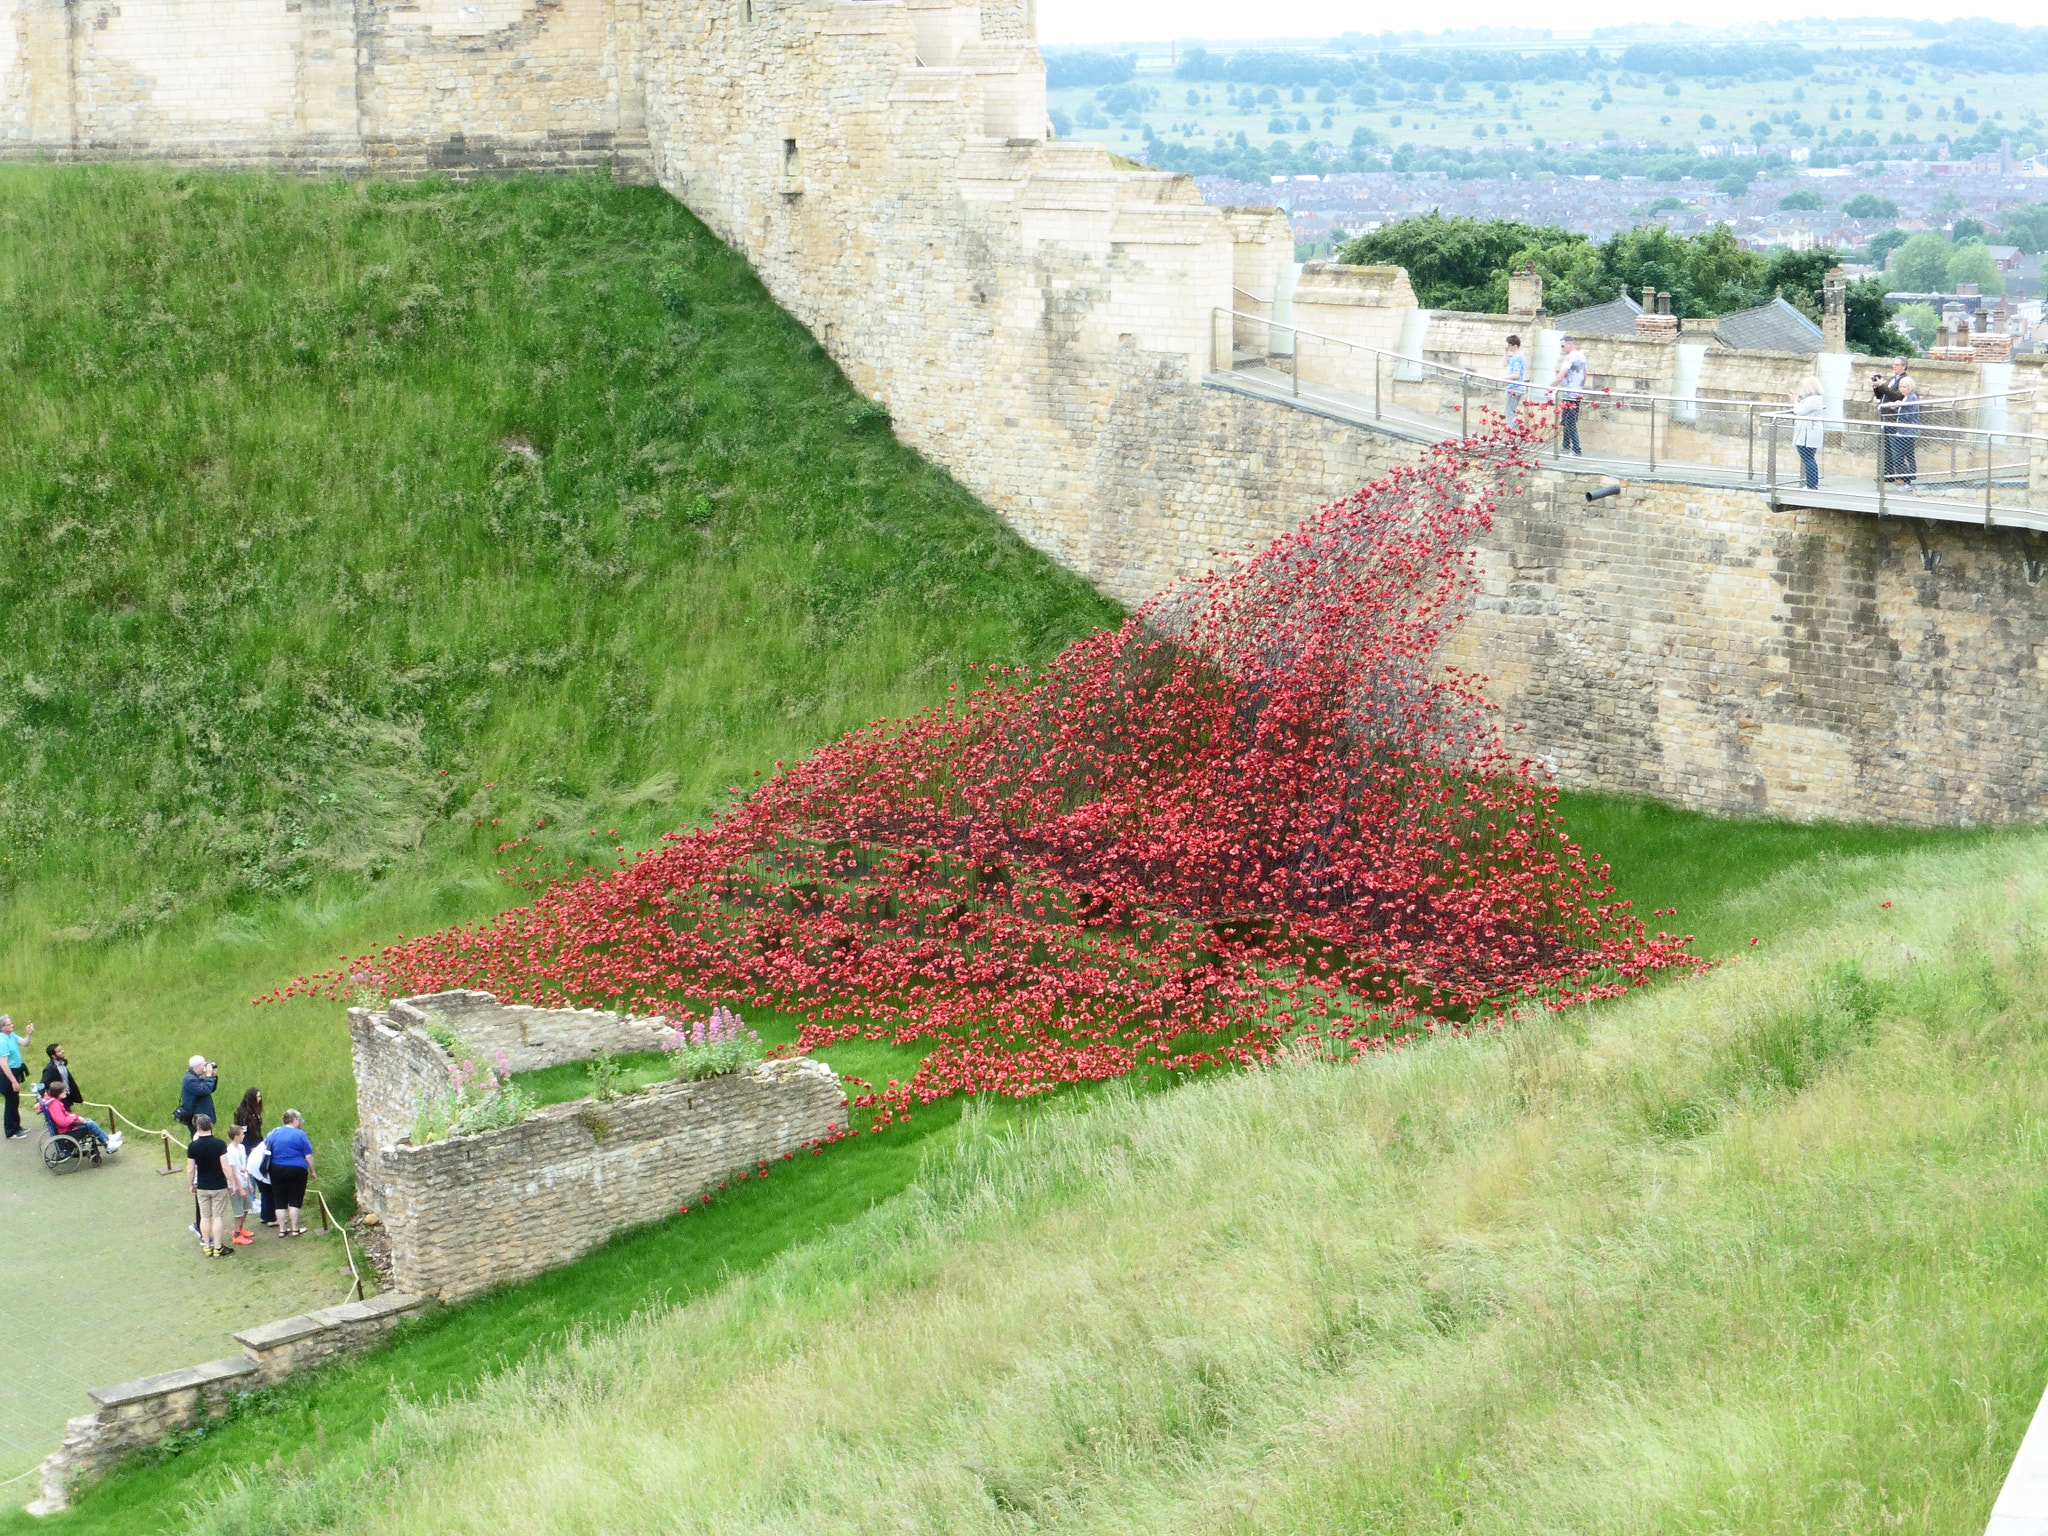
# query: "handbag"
259,1163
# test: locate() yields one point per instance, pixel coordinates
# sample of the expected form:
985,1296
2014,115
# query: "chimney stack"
1834,325
1525,291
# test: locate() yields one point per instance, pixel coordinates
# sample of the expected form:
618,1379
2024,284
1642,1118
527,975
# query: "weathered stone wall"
529,1038
134,1414
322,85
474,1211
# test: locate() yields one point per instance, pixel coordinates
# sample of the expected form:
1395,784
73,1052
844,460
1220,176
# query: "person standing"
206,1175
1888,394
58,1078
1517,377
1807,431
1909,428
195,1093
195,1098
249,1116
13,1071
239,1184
1570,383
291,1164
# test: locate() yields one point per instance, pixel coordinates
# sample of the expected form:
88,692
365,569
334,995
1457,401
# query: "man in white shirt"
1570,381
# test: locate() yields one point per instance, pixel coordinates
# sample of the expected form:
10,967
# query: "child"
240,1185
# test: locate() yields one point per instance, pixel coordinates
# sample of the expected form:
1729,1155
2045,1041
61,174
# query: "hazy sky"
1105,21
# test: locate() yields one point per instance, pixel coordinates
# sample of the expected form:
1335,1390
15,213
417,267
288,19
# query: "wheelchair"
64,1153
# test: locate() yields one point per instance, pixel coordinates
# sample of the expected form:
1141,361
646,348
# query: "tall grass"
348,530
1756,1252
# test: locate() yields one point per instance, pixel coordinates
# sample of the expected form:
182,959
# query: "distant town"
1807,136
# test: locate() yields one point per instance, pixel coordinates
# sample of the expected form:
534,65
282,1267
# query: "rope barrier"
328,1220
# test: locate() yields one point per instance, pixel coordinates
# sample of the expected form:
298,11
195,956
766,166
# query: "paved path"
101,1279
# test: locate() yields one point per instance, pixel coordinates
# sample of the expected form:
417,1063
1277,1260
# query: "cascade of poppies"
1262,807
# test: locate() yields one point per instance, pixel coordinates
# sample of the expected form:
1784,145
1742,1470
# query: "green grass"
283,619
1752,1252
294,632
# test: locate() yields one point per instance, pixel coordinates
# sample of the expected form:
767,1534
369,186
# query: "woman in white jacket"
1808,432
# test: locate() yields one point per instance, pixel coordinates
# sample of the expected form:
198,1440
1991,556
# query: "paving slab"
101,1278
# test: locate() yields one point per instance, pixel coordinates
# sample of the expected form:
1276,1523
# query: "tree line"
1462,263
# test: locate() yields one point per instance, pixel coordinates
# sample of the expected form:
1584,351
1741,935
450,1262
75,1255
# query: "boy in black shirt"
209,1182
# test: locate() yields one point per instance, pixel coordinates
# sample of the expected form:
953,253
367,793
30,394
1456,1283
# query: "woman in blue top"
291,1164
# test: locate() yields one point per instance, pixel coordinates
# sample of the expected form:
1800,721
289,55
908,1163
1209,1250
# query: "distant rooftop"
1772,327
1617,317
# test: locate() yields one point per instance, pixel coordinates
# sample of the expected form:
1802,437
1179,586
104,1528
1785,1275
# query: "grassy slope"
1756,1252
187,636
290,640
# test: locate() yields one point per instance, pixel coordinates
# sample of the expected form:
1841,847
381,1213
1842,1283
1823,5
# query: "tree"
1883,243
1462,263
1800,202
1089,68
1868,205
1705,274
1966,229
1918,321
1733,185
1972,263
2027,228
1868,322
1921,264
1799,276
1706,119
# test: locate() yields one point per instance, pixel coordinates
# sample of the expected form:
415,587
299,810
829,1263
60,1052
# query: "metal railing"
1621,430
1953,472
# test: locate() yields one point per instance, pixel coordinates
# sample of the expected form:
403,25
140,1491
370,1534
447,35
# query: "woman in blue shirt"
291,1164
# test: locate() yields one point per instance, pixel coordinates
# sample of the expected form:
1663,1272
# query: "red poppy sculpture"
1262,808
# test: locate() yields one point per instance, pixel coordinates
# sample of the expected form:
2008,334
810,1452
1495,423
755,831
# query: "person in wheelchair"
64,1123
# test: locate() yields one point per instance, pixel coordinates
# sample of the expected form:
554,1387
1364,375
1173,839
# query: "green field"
1918,103
350,531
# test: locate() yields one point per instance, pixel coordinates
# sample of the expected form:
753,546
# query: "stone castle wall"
1048,325
474,1211
367,85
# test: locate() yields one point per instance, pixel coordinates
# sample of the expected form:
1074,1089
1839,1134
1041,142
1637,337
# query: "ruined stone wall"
473,1211
324,85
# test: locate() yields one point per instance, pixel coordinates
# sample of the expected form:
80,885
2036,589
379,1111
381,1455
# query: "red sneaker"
244,1238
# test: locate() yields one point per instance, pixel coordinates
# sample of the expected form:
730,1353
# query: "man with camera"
195,1103
1889,394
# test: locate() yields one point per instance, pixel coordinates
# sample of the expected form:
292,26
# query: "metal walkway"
1927,471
